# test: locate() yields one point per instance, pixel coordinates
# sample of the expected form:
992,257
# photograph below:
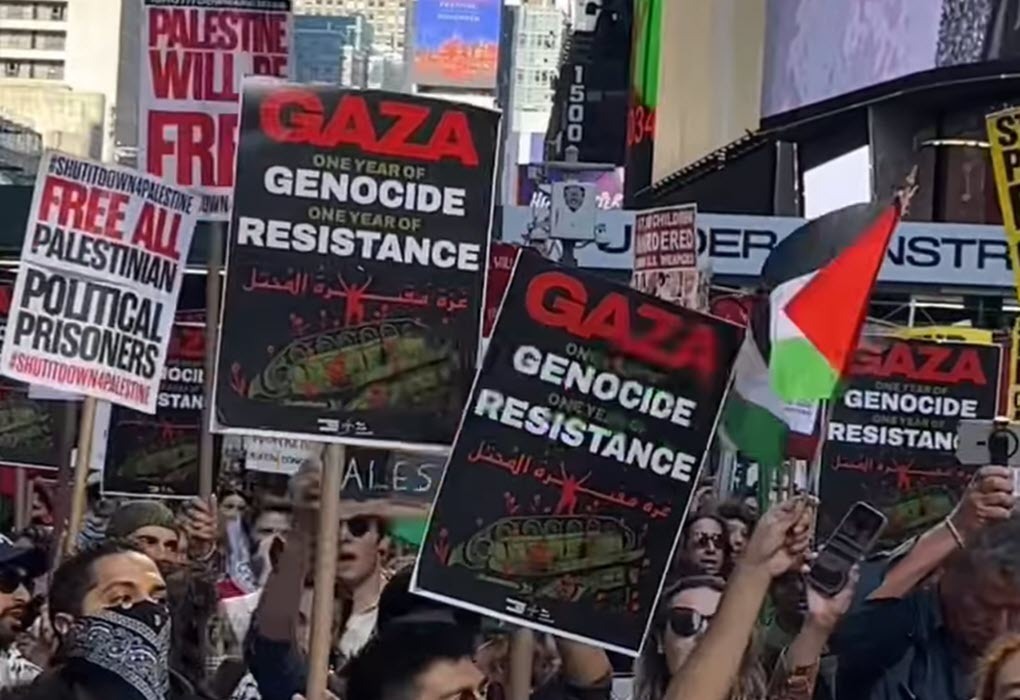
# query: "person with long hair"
999,670
685,610
704,546
702,643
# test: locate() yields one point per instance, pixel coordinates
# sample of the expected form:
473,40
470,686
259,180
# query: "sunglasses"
359,525
702,539
11,579
687,622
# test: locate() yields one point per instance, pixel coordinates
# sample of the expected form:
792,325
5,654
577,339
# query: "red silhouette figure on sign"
568,493
354,311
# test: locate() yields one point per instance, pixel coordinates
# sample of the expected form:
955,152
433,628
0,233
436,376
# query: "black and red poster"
28,427
891,438
356,265
157,455
580,446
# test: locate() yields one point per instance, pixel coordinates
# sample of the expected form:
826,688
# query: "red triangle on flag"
830,309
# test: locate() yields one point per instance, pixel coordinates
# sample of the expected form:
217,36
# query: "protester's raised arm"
797,669
779,543
277,614
989,498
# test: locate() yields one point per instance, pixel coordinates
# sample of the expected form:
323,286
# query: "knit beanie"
133,516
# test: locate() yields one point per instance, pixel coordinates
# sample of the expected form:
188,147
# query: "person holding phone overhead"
911,640
702,644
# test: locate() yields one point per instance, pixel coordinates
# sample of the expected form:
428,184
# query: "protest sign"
194,55
502,257
278,455
28,426
891,438
359,245
100,272
666,254
1004,142
391,479
1013,407
576,460
157,455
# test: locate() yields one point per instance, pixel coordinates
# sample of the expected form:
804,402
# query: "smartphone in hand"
851,541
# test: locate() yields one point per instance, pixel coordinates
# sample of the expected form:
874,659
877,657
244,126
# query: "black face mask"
122,653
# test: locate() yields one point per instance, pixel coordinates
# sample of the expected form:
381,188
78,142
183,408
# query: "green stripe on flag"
756,432
799,372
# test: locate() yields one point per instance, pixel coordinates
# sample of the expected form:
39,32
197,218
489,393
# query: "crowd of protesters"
213,602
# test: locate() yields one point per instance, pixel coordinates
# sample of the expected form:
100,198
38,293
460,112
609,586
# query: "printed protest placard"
157,455
1013,407
359,244
666,254
194,55
1004,143
891,439
101,269
28,426
576,460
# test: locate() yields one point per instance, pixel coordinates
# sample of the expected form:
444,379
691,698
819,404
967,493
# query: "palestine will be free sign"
356,262
891,439
574,466
101,269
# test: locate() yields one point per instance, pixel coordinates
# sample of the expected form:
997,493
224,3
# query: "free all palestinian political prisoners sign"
355,267
577,457
101,270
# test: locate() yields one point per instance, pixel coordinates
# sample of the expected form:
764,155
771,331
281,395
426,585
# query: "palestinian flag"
821,277
753,418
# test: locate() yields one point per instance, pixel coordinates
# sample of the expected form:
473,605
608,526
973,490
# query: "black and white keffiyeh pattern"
132,645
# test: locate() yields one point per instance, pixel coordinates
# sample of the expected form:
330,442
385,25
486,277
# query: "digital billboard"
644,93
816,50
456,43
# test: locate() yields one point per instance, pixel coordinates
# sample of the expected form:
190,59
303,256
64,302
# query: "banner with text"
891,439
194,55
666,254
278,455
1004,142
157,455
574,466
359,244
101,270
390,484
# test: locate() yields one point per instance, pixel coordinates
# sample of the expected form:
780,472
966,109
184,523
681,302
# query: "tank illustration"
916,514
169,464
21,423
562,557
342,367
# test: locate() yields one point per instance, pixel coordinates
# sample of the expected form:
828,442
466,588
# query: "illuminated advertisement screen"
816,50
644,93
456,43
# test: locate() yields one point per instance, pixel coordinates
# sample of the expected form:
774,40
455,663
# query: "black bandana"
125,650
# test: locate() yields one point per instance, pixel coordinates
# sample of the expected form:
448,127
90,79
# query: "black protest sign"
157,455
28,427
391,478
891,439
356,261
577,457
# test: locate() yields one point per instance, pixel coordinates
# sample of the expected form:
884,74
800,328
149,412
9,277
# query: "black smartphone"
849,543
